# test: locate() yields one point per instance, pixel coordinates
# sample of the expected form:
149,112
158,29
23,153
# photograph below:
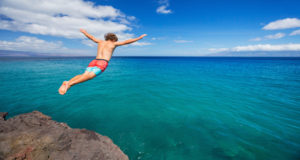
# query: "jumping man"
98,65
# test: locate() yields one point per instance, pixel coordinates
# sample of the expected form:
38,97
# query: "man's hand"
144,35
82,30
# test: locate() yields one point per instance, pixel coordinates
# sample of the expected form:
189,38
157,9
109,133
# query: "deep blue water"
169,108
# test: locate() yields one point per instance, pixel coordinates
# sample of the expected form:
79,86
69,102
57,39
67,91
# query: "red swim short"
97,66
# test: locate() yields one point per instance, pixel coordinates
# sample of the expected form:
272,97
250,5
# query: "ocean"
169,108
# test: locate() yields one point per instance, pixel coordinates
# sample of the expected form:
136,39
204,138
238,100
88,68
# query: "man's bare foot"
64,87
67,84
61,89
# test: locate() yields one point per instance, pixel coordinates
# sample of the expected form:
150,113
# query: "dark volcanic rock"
35,136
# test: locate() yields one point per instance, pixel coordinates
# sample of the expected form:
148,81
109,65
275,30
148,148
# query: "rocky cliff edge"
34,136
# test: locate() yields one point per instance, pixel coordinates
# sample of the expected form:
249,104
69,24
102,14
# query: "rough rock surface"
35,136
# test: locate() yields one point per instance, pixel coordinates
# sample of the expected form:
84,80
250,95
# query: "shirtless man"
98,65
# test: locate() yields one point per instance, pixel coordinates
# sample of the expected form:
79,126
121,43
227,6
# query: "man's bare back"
104,52
107,47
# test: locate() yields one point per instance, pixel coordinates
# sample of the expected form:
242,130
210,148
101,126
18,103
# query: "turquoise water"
169,108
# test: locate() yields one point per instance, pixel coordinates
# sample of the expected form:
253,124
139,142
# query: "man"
98,65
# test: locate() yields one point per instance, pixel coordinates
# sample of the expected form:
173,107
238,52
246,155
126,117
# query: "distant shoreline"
24,54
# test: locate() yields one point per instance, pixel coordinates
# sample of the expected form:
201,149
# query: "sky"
174,28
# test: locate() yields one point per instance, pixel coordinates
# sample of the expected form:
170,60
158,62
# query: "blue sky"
174,28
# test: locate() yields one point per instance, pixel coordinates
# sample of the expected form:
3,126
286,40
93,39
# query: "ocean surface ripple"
169,107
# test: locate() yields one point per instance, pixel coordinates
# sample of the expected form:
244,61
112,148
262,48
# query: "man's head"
111,37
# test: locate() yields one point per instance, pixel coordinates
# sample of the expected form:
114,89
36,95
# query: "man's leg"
76,77
84,77
75,80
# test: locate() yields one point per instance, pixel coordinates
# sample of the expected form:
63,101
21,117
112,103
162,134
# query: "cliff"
35,136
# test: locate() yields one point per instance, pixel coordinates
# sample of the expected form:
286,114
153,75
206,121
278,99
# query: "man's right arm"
90,36
130,40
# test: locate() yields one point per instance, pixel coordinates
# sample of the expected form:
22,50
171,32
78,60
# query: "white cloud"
296,32
260,47
182,41
131,18
33,44
275,36
157,38
63,18
163,8
256,39
141,44
283,24
271,36
89,43
268,47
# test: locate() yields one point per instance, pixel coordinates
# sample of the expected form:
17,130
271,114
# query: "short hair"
111,36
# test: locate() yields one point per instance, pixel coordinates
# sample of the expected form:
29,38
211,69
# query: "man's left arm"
130,40
90,36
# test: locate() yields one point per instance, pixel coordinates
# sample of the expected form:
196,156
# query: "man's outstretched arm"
130,40
90,36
